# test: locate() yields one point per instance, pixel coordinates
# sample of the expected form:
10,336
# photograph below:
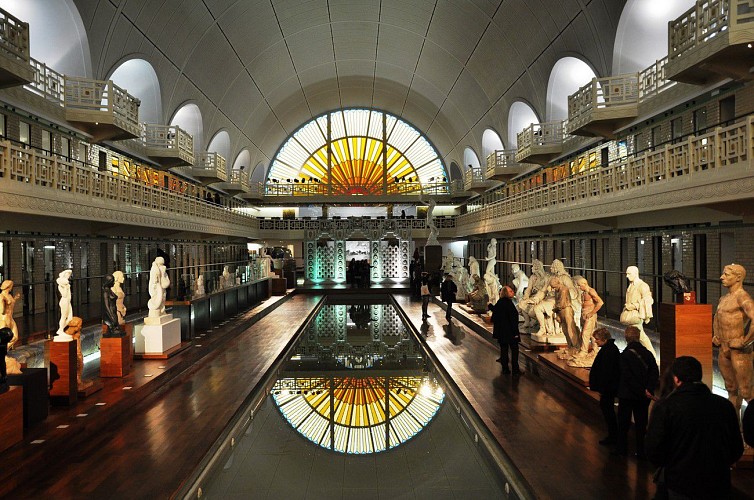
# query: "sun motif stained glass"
357,152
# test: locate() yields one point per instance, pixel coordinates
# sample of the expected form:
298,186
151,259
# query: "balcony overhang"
479,185
539,154
714,61
14,71
170,146
232,188
505,173
603,122
101,109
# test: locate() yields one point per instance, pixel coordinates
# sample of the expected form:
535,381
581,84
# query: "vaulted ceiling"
261,68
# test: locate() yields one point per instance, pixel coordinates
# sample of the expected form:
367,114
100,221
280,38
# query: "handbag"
425,290
630,317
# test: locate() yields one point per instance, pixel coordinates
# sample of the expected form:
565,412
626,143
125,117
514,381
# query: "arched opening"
470,159
56,34
220,144
258,174
139,78
491,142
520,116
242,161
568,75
189,118
455,171
642,35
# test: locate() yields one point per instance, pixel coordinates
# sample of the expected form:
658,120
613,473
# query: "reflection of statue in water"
590,304
110,309
478,298
733,332
158,283
537,282
520,283
120,296
638,307
66,311
677,282
360,315
7,303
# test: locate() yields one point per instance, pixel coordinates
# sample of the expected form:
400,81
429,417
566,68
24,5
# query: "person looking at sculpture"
448,292
425,294
604,378
735,355
7,304
693,436
639,378
505,329
637,310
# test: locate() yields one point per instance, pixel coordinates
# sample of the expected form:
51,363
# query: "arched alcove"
568,75
189,118
642,34
242,161
139,78
491,142
220,144
455,171
57,36
470,158
520,116
259,173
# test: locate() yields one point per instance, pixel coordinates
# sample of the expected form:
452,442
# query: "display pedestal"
549,339
116,356
11,417
157,336
686,330
64,389
278,286
432,259
36,399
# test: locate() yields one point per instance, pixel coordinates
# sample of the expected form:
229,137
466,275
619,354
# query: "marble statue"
158,283
474,267
638,307
110,309
199,286
462,280
6,335
491,256
537,282
120,296
490,278
545,300
478,298
74,330
266,266
448,261
591,302
520,283
734,310
226,280
433,231
563,313
66,310
7,304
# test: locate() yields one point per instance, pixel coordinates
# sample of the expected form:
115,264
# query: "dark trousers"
425,303
514,356
449,310
607,405
639,408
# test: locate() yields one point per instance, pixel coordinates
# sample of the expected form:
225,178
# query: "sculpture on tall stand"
537,281
158,283
7,303
433,231
110,309
638,308
73,328
120,296
66,310
591,302
734,311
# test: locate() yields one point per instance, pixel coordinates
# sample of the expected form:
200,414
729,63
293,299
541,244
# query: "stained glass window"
357,152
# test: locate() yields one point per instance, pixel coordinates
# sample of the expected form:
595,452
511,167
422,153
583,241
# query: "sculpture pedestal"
157,335
64,389
116,356
11,417
278,286
36,399
686,330
432,258
549,339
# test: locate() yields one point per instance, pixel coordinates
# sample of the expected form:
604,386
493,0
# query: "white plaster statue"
490,278
735,355
462,279
120,295
537,281
66,310
520,283
564,315
226,280
7,304
638,307
433,231
266,264
491,256
474,267
545,300
199,286
448,261
591,302
158,283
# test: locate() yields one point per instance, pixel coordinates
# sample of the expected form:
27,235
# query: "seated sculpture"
537,281
545,299
478,298
520,283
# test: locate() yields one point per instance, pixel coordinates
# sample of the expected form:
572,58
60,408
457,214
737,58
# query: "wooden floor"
148,452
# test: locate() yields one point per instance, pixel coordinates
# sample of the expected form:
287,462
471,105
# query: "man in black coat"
604,378
448,291
639,378
693,436
505,329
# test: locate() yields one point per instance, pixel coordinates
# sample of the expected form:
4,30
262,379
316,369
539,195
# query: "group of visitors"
358,273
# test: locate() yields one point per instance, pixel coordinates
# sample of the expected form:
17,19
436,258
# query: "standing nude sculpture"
120,295
158,282
7,303
66,310
563,313
433,231
735,355
490,278
638,308
110,309
591,302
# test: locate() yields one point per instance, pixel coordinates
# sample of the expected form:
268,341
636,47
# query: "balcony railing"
598,98
714,150
704,21
474,180
164,140
547,137
47,83
211,166
502,165
101,102
240,178
14,36
653,80
54,174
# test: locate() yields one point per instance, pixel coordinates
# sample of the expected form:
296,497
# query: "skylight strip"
337,126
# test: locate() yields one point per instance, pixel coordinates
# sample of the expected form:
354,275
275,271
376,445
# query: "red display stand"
64,389
116,356
11,417
686,330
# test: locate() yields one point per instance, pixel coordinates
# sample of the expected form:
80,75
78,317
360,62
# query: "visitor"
425,294
505,329
448,291
604,378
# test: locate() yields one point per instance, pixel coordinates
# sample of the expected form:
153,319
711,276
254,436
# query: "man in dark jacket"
604,378
448,291
639,377
694,436
505,329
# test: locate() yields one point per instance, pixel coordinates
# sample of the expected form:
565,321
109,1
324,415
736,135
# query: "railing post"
716,147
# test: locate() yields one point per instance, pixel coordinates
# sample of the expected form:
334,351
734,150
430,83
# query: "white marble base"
158,320
549,339
156,339
62,337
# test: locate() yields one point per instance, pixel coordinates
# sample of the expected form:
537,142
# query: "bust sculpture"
638,308
677,282
7,304
110,309
66,311
734,310
120,296
158,283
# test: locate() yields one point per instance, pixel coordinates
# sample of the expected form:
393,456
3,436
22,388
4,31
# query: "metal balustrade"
51,172
716,149
14,36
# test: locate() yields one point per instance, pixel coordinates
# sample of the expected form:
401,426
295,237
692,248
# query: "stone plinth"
36,399
686,330
549,339
432,258
158,335
116,358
